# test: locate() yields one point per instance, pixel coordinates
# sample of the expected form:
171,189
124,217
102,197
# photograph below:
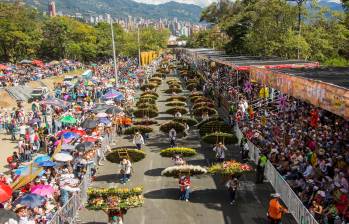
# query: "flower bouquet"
184,152
176,98
229,168
215,137
134,154
176,171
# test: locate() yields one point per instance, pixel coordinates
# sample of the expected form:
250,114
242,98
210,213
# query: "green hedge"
176,104
184,152
150,86
140,113
172,124
215,126
170,91
214,138
140,128
176,98
134,154
199,111
174,110
145,122
187,120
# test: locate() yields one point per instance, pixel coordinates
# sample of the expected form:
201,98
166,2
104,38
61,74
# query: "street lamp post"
139,48
114,54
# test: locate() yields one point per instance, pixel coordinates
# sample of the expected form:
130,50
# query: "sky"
202,3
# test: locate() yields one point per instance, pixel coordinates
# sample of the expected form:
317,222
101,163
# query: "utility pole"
114,54
299,4
139,48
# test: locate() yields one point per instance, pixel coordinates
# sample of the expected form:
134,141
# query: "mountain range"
123,8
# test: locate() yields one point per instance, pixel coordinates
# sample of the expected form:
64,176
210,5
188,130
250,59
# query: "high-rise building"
52,8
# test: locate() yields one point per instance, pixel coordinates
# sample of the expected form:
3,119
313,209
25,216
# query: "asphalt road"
209,199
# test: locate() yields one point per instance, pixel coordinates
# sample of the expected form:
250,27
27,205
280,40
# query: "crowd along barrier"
288,196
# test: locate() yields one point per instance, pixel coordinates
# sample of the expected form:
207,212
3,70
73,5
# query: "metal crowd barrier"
289,197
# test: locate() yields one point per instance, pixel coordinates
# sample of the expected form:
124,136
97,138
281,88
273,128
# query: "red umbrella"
3,67
38,63
90,139
79,132
5,192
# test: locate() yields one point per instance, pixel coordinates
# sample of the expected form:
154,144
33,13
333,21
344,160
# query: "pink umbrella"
42,190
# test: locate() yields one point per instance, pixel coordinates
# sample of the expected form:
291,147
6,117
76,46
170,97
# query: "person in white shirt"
126,168
220,151
138,140
172,134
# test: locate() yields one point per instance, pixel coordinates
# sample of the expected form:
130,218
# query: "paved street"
209,199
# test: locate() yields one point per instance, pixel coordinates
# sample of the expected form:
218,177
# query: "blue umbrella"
69,135
31,200
23,170
104,120
48,163
40,159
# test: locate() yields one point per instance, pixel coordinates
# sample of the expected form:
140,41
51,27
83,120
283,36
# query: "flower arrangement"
176,104
203,104
192,86
145,100
231,167
196,93
114,198
156,80
173,81
150,86
174,110
184,152
174,90
172,124
174,86
140,113
157,75
134,154
139,128
149,96
148,106
214,138
176,98
176,171
187,120
201,99
150,93
213,118
214,126
199,111
145,122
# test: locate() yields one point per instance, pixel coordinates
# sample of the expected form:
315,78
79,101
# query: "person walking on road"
275,210
220,152
184,186
126,168
172,134
232,185
138,140
262,161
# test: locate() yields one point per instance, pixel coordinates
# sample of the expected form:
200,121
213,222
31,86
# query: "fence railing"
288,196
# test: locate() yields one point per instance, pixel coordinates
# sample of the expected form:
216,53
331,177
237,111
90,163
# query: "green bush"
172,124
174,110
133,129
150,93
134,154
187,120
225,138
150,86
203,104
176,104
176,98
199,111
215,126
170,91
184,152
144,122
140,113
145,100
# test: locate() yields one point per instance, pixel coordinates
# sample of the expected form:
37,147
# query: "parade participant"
232,185
220,149
172,136
262,161
178,114
184,185
275,210
138,140
126,168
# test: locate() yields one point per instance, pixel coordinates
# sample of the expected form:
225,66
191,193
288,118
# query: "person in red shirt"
184,185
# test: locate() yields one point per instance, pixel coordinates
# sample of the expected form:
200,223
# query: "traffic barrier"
288,196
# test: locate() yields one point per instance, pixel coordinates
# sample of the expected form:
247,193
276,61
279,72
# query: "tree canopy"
25,34
270,28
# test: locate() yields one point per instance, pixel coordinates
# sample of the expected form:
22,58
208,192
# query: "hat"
275,195
18,207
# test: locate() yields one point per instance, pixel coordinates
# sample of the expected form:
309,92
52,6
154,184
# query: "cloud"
202,3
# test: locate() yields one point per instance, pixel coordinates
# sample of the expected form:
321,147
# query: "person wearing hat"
275,210
22,212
